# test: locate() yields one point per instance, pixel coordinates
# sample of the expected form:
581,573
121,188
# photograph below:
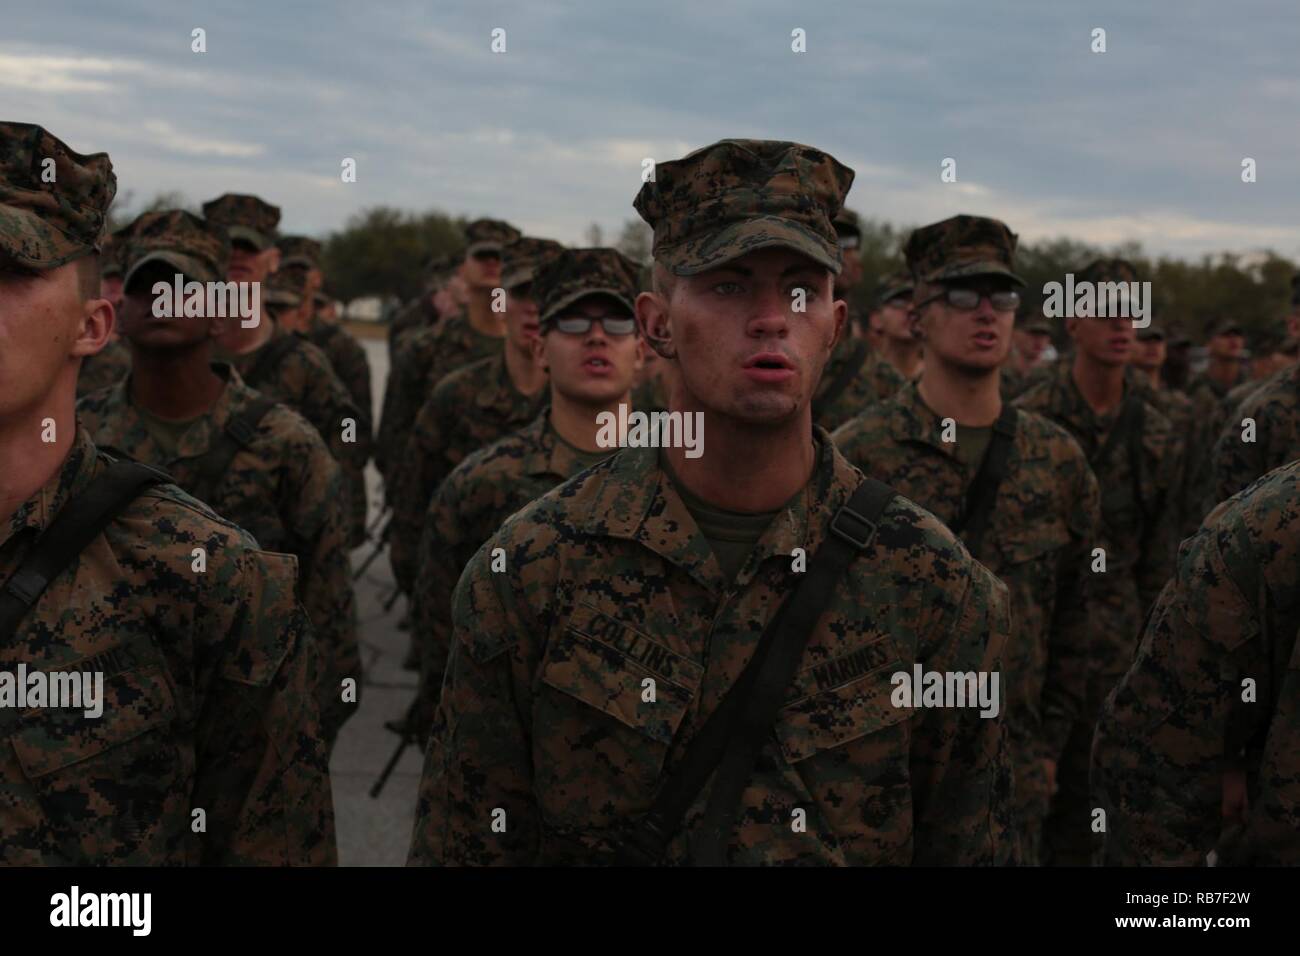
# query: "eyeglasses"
850,242
581,324
966,299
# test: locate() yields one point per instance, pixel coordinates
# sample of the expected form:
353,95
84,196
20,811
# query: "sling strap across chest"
239,432
974,519
732,736
1128,428
77,524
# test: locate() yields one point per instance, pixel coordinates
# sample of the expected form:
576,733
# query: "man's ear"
841,311
538,347
656,326
95,327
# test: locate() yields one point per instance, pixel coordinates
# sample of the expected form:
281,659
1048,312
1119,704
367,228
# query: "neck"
750,468
577,422
1223,370
967,399
481,317
29,460
526,375
175,383
250,340
1102,386
904,355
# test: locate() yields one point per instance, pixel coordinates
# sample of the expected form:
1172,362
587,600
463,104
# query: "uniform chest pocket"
138,708
622,673
1036,544
860,709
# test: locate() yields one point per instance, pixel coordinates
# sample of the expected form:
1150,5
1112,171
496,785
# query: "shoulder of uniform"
283,427
174,514
1039,431
867,421
465,376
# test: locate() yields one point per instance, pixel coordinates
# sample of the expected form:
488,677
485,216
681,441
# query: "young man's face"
741,349
1227,345
146,331
895,322
975,340
851,270
1030,345
1149,354
1108,342
482,270
521,316
45,325
592,367
249,265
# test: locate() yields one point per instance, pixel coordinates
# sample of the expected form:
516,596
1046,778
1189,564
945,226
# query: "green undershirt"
585,458
166,433
731,534
971,444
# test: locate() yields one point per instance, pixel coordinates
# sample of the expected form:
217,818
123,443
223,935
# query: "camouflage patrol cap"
194,247
247,218
320,299
439,268
574,274
299,250
961,247
489,235
523,257
285,286
895,285
1107,270
53,201
1152,330
738,195
1224,325
846,224
1029,318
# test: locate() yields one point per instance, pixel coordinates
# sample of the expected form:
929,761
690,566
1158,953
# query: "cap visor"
247,234
485,246
568,300
187,266
517,277
968,269
741,238
53,247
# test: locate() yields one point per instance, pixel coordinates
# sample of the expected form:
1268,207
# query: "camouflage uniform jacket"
609,583
1045,521
1140,515
470,505
469,410
1207,418
304,380
208,695
1231,613
347,357
874,381
110,364
1275,409
428,356
283,487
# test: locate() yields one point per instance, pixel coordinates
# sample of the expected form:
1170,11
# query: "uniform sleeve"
1237,463
1156,562
262,777
1070,631
476,804
320,522
415,481
960,761
1157,757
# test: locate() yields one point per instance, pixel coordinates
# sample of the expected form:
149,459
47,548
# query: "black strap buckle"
852,527
644,845
26,586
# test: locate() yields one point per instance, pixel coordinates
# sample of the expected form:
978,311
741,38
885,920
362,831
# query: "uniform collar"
46,502
548,454
638,502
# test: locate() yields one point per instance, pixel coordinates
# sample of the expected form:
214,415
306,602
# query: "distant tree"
595,235
385,251
635,240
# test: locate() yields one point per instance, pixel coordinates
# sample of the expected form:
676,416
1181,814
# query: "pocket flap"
835,717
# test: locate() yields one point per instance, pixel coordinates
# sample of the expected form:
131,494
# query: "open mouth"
595,362
769,361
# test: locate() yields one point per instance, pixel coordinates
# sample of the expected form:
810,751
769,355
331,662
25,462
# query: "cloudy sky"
1144,141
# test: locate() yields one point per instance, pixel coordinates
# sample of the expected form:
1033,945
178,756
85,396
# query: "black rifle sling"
1128,428
1130,409
268,360
76,525
240,430
736,729
836,388
973,522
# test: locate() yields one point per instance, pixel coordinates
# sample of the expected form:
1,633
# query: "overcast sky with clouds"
1144,141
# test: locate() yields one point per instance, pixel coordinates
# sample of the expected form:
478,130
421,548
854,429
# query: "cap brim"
517,277
1042,327
298,261
281,297
188,266
564,302
248,234
56,249
740,239
486,245
895,292
967,270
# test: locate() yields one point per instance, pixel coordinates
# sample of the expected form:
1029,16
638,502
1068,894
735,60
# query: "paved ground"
376,832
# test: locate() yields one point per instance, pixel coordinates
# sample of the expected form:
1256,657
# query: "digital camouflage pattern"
348,358
1207,398
304,380
247,218
110,364
1140,516
574,274
430,355
470,505
724,201
483,235
1045,520
609,582
470,409
209,695
521,260
874,381
1275,410
960,247
1178,716
299,250
44,225
283,487
197,249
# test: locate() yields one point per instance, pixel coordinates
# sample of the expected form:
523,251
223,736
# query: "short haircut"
88,276
663,281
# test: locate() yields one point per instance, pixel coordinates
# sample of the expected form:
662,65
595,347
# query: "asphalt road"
376,832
